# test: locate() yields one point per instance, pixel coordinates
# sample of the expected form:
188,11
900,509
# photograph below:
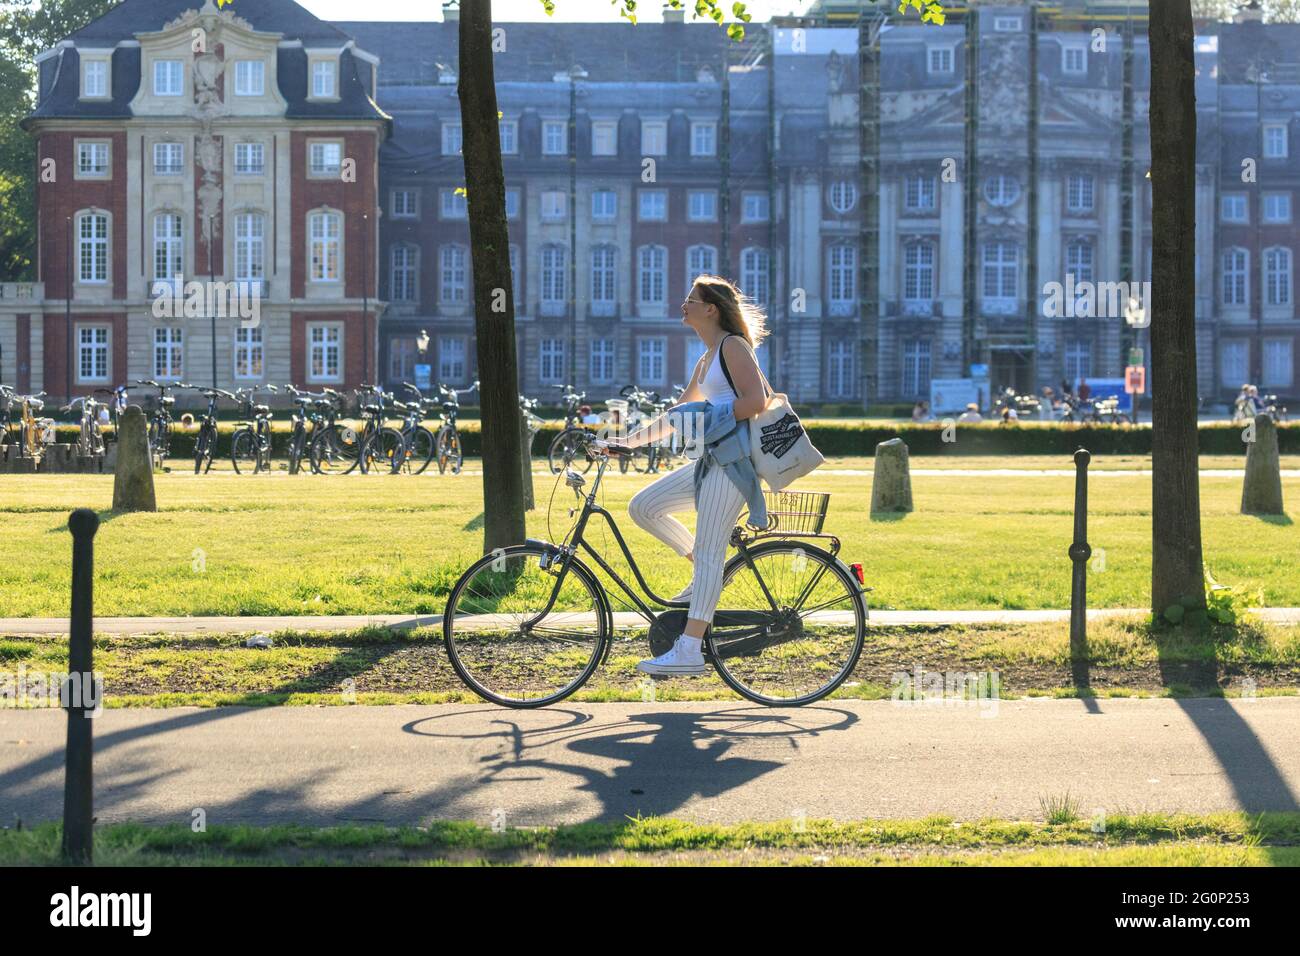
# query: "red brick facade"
353,199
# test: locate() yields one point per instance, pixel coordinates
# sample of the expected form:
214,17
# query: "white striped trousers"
720,505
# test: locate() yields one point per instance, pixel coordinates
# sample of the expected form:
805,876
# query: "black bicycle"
568,448
526,626
307,410
250,448
418,443
448,449
160,421
334,446
205,446
380,448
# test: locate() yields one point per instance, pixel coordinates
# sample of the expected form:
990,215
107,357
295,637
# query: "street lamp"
212,283
422,341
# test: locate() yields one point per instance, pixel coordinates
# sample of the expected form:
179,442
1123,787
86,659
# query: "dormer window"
250,78
168,80
94,77
324,79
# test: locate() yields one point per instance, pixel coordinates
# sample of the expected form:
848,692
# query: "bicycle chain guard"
668,626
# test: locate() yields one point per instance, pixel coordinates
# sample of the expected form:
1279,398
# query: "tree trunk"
1176,570
494,306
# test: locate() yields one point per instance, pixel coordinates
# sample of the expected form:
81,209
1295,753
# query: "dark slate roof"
269,16
60,74
646,52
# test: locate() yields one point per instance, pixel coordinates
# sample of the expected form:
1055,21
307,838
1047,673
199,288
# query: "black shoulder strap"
722,359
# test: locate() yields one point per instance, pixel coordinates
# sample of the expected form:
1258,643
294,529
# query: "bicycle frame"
739,539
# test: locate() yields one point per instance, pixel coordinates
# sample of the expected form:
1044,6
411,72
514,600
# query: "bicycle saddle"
261,410
167,400
370,409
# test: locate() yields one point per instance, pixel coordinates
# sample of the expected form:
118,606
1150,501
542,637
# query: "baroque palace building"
900,197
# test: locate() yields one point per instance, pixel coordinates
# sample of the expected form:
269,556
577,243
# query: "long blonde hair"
738,313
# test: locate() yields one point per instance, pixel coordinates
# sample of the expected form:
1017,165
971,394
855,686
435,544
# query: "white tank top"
714,384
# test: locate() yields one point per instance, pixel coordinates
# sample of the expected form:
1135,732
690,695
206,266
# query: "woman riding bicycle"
718,402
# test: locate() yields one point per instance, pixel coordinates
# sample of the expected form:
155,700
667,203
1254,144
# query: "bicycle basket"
796,511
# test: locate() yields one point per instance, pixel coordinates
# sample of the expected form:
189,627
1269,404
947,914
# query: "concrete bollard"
78,779
891,483
526,438
1261,492
133,476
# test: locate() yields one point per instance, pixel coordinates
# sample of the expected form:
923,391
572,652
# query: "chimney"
1250,12
674,16
451,11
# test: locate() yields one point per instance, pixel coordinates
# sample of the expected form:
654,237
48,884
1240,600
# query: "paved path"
18,626
708,762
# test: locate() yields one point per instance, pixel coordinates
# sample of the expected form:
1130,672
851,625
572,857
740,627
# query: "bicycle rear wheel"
336,450
519,635
804,647
380,450
244,453
569,450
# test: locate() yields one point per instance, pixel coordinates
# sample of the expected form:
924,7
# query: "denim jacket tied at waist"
725,443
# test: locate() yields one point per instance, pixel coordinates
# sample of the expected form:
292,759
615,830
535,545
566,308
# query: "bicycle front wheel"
569,450
788,630
244,453
381,450
521,632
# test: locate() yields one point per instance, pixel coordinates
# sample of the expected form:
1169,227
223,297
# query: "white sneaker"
678,660
682,595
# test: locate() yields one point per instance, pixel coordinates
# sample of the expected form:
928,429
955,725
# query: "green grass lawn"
276,544
1061,839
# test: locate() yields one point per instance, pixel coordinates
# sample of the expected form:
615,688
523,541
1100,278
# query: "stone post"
133,475
1261,492
891,484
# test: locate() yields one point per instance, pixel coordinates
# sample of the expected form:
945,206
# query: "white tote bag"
779,445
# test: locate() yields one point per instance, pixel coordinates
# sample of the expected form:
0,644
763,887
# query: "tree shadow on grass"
475,523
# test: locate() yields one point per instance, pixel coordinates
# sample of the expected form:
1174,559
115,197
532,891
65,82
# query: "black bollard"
78,782
1080,552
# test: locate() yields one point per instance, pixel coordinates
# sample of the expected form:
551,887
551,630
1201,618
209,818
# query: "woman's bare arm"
751,398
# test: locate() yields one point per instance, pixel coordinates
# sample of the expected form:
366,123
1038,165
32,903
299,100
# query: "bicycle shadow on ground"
658,764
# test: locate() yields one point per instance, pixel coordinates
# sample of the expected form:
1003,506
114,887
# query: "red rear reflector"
857,573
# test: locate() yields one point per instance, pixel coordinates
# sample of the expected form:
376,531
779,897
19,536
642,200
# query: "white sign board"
953,394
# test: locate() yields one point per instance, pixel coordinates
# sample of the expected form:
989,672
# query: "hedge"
861,438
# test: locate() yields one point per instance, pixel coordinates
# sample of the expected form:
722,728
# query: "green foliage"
26,30
1223,604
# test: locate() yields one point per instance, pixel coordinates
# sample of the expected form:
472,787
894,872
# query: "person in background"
1065,389
1084,390
921,411
1047,406
972,414
586,417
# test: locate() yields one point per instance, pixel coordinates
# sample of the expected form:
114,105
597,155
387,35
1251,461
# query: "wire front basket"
791,512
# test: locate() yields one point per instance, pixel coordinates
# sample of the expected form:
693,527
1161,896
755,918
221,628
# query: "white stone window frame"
77,173
601,359
645,269
1087,184
453,348
106,347
1068,54
843,186
1240,277
552,124
326,173
1008,24
603,217
513,126
167,145
448,284
640,205
261,171
756,271
551,351
323,59
690,199
446,138
654,124
452,205
244,89
927,193
246,242
340,251
1274,220
698,126
950,49
1239,201
1283,290
653,348
255,344
170,92
410,191
704,251
611,128
335,342
77,218
513,213
1265,140
100,58
559,212
172,345
171,245
412,266
744,206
